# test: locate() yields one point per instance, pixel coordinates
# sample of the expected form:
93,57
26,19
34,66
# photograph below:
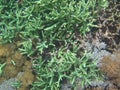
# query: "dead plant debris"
108,29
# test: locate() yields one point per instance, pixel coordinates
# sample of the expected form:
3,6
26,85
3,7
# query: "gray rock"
6,85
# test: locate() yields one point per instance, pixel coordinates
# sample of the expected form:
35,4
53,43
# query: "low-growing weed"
46,28
43,19
1,68
27,48
16,84
64,65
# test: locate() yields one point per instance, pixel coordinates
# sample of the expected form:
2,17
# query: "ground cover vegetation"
48,32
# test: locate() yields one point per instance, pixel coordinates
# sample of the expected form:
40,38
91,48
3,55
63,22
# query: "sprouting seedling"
1,68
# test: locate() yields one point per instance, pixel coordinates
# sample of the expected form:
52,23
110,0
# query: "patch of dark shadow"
104,29
93,30
109,50
46,54
100,19
58,44
117,39
41,33
111,46
116,17
107,21
76,30
30,86
106,40
118,7
79,52
70,47
112,29
34,72
64,80
91,35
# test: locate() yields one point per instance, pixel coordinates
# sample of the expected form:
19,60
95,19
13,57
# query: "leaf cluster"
46,30
45,20
64,65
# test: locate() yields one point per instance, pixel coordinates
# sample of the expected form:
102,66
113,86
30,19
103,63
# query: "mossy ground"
16,63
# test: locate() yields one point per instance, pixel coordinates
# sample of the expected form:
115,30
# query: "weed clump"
48,33
64,66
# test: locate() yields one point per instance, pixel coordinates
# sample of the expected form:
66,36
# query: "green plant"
1,68
64,65
16,84
42,46
36,22
27,48
45,19
103,3
48,28
54,20
11,20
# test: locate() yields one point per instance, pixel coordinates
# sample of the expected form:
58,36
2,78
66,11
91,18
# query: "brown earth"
15,63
